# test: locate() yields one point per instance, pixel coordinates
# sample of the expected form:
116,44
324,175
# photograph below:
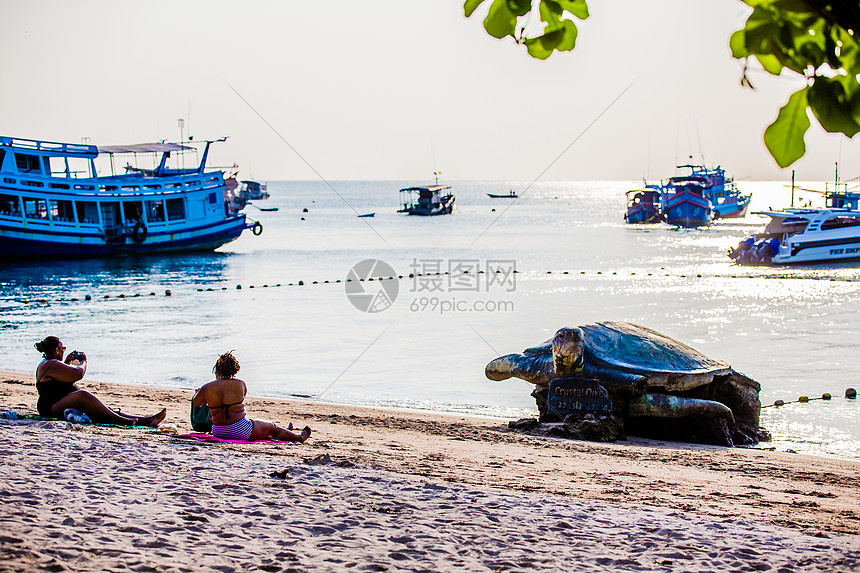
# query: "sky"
398,89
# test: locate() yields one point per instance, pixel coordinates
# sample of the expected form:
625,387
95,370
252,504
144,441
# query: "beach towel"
211,438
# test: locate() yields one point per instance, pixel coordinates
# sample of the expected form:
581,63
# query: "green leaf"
784,137
470,6
770,64
831,107
576,7
500,21
562,38
520,7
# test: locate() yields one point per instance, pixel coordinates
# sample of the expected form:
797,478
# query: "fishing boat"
645,205
55,203
803,236
726,199
510,195
686,204
429,200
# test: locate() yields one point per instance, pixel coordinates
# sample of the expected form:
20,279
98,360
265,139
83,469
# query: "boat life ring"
257,229
139,232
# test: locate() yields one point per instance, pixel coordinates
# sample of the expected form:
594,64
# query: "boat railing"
50,146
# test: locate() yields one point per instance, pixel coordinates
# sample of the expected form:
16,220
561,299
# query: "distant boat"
687,205
368,215
726,199
510,195
645,205
429,200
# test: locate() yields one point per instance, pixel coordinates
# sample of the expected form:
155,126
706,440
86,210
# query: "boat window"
9,206
2,155
130,188
88,212
35,208
9,180
840,222
151,187
213,198
132,211
155,211
27,163
175,209
62,211
32,183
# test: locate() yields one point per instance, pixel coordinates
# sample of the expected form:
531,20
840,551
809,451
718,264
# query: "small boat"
429,200
54,203
803,236
368,215
726,199
510,195
686,204
645,205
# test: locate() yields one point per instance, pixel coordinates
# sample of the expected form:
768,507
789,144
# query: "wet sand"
387,490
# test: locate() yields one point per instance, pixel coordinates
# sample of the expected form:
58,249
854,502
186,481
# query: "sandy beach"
403,491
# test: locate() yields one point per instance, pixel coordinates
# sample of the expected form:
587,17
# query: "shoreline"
709,490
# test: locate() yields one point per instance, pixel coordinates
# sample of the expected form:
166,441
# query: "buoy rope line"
850,393
41,300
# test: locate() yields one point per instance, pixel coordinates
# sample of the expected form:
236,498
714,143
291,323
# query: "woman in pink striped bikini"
225,397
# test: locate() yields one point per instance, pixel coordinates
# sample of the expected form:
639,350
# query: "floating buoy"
826,396
301,283
252,286
200,290
851,393
302,218
88,297
122,296
803,399
305,210
238,287
167,293
107,296
779,403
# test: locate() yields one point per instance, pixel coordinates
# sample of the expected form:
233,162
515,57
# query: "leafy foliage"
818,39
511,17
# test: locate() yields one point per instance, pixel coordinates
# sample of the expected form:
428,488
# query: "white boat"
803,236
53,202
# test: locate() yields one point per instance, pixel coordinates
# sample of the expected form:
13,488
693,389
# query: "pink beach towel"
211,438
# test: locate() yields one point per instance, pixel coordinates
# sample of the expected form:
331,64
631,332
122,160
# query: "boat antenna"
181,139
836,180
699,141
792,187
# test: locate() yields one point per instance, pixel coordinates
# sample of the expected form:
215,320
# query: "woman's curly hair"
226,366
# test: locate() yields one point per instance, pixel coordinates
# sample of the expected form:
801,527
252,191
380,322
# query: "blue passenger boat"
645,205
54,203
686,205
726,199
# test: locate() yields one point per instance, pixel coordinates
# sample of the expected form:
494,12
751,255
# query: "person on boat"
225,397
55,383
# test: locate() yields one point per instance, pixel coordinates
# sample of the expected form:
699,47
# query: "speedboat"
55,203
510,195
803,236
686,205
645,205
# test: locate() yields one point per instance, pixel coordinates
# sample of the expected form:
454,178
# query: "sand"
385,490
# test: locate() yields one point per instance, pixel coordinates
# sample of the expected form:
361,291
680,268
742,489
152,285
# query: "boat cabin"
430,200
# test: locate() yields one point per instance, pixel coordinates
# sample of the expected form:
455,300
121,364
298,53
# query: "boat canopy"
144,148
430,188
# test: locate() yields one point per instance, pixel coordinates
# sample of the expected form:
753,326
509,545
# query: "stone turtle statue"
659,387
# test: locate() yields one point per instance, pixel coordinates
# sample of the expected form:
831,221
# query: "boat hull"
16,243
643,214
732,209
688,210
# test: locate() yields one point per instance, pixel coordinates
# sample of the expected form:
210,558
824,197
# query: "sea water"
425,346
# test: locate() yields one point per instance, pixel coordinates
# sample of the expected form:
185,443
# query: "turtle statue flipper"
666,406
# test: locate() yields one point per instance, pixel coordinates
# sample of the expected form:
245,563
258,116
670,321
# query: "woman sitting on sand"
55,382
225,397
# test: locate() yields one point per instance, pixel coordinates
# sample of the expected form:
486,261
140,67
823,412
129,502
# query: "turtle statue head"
568,351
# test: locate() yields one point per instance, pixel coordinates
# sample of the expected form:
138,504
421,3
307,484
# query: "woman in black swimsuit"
55,382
